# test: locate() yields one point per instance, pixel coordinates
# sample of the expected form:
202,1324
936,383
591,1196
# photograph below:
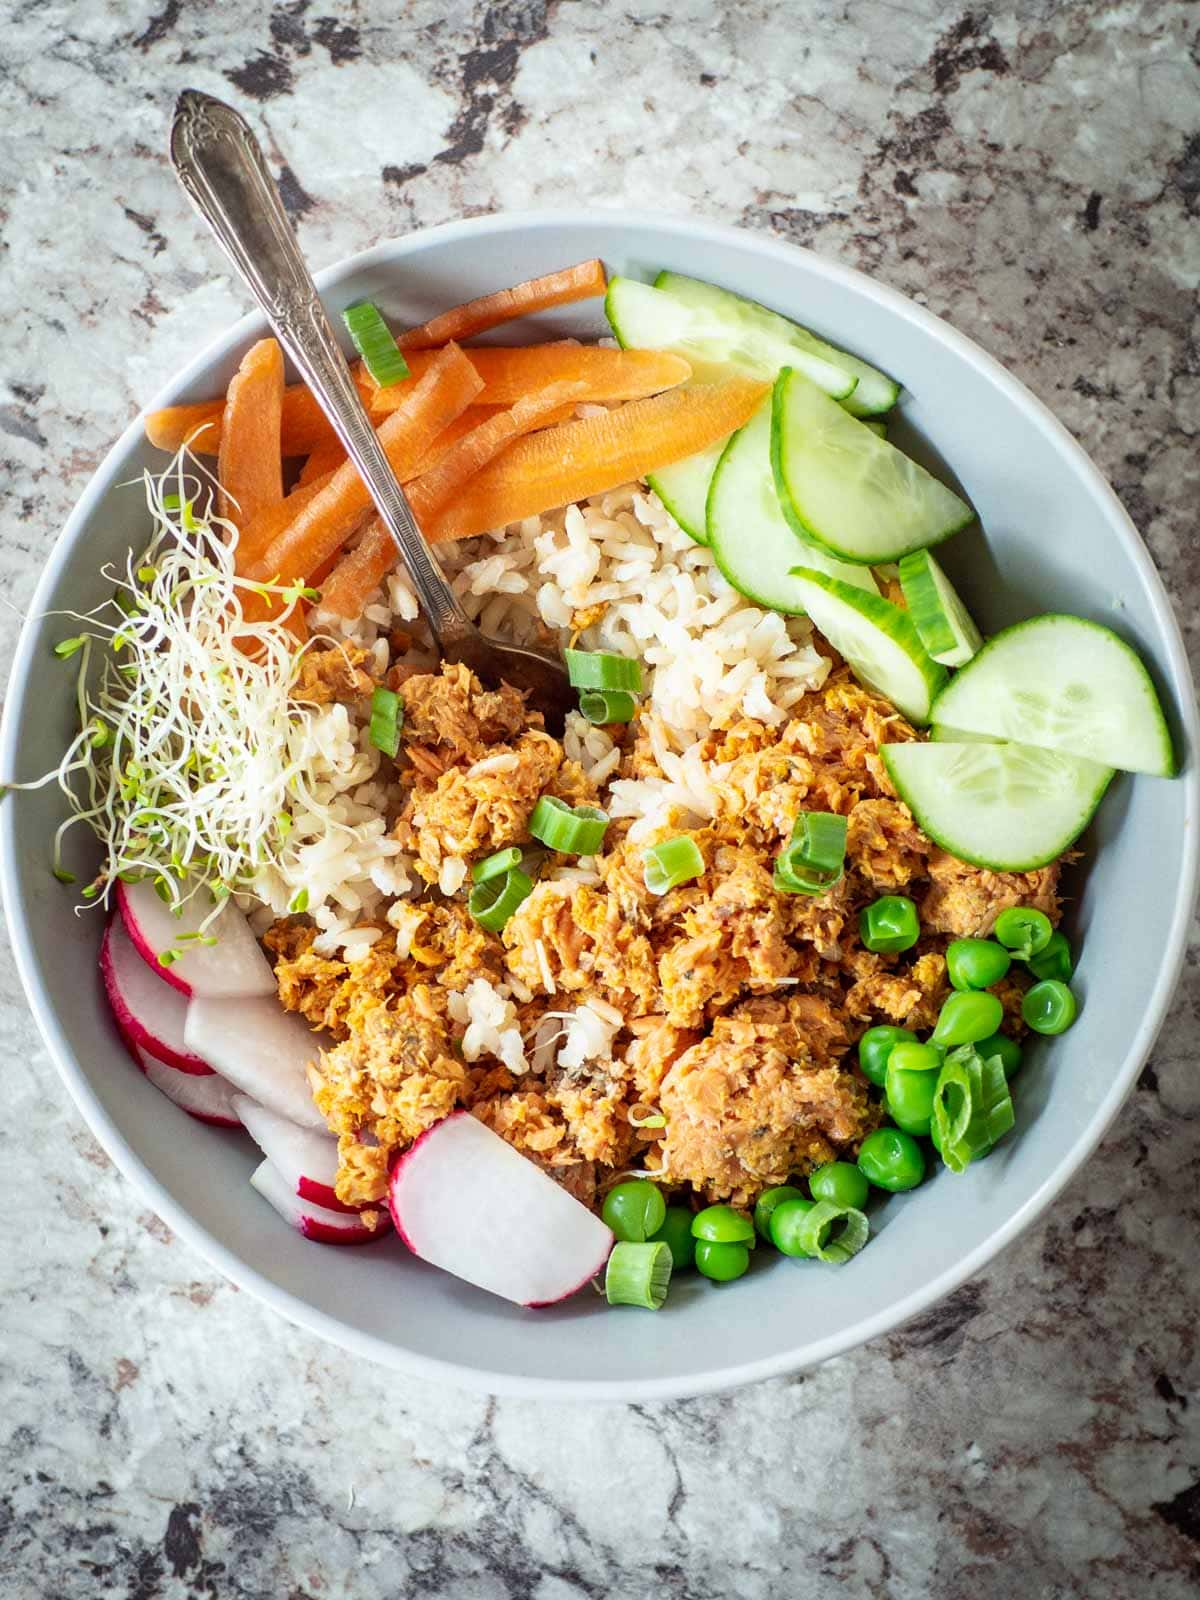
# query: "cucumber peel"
851,491
873,392
751,542
877,640
1006,807
939,616
1063,683
647,318
683,489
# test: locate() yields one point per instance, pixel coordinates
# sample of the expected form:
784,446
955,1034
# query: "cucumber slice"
751,541
945,735
653,319
1063,683
841,485
939,616
1008,807
877,639
874,391
683,489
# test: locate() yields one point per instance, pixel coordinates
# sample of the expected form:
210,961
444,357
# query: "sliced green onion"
602,706
574,830
818,1224
602,669
495,865
387,718
671,863
972,1106
65,648
299,902
494,900
375,344
814,858
638,1274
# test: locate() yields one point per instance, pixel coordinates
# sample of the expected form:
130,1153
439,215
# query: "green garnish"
638,1274
496,864
670,863
66,648
387,719
602,669
494,900
375,343
601,707
572,830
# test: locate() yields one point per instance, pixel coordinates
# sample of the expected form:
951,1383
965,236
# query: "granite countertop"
1030,171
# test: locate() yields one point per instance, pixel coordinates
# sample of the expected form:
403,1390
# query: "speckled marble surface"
1031,171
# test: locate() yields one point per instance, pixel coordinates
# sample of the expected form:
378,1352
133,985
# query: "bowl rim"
800,1357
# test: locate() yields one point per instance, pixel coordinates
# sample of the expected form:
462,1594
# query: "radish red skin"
350,1229
306,1157
132,1028
149,956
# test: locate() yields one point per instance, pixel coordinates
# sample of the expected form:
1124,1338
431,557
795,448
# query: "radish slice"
262,1049
234,967
149,1015
208,1099
468,1202
313,1221
307,1159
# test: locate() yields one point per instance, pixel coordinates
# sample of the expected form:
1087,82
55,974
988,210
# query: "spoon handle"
220,164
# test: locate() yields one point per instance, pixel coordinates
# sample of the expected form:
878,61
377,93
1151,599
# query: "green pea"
1049,1007
916,1058
676,1232
876,1046
889,923
787,1220
1055,961
839,1183
721,1262
891,1159
767,1202
910,1099
967,1018
976,963
634,1210
1024,930
1007,1049
723,1225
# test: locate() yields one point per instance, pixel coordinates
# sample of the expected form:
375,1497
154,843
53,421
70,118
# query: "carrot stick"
304,426
324,524
559,465
581,282
365,567
249,468
511,373
198,426
261,531
325,458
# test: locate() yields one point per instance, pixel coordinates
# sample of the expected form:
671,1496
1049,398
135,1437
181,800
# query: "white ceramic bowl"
1055,538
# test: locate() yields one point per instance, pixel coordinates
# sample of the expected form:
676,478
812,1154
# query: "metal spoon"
220,164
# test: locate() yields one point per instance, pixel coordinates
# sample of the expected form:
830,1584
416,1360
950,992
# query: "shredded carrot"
249,466
581,282
364,568
559,465
511,373
446,390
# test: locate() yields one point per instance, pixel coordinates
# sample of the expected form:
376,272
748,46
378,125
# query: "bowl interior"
1053,538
